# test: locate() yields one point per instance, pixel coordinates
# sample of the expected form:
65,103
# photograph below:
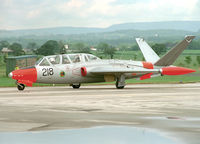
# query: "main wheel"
76,86
20,87
117,85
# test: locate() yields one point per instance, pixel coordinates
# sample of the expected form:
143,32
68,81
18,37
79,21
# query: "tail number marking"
47,71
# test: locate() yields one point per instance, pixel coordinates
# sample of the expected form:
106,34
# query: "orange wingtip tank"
176,71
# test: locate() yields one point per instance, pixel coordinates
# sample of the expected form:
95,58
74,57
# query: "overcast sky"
23,14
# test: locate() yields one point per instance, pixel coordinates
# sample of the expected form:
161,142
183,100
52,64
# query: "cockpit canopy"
65,59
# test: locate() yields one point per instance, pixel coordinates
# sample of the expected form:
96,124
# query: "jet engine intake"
83,71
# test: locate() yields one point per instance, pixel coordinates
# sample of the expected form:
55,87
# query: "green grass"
2,70
191,52
125,55
6,82
168,79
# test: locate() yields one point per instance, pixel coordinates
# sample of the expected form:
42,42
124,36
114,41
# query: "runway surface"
173,109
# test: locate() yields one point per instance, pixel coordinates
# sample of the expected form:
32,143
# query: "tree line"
52,47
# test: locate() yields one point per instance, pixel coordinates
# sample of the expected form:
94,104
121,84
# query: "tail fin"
170,57
148,53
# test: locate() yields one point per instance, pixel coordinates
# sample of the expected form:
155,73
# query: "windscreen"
54,59
44,62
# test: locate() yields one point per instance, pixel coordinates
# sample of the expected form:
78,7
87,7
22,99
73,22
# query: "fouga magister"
75,69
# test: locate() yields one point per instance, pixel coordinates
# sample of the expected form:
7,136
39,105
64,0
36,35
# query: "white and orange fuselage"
75,69
85,71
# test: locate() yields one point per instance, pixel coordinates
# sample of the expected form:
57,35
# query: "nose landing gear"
76,86
20,87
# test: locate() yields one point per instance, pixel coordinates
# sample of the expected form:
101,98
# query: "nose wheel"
20,87
76,86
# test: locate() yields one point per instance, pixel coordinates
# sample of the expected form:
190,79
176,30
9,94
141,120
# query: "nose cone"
28,74
10,74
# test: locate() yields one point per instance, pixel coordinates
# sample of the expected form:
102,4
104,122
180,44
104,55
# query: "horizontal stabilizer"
147,51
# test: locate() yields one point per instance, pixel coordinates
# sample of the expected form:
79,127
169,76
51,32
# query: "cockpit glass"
65,60
85,57
75,58
54,59
91,57
37,62
44,62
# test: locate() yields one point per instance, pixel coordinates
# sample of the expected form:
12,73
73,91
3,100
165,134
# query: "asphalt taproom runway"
170,109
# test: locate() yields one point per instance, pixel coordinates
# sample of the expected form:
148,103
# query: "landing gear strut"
20,87
120,83
76,86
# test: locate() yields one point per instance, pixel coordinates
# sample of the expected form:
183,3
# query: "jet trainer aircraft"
75,69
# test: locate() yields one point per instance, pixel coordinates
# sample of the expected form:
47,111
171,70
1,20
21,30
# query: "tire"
20,87
76,86
117,86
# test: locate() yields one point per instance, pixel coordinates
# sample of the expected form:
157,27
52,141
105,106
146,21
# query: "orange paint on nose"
25,75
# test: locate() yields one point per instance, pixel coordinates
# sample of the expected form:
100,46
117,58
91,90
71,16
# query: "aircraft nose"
10,74
28,74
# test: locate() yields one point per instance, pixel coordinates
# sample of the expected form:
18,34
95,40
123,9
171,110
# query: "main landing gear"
20,87
120,83
76,86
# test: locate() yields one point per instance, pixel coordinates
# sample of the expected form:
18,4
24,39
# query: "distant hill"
50,31
160,32
115,37
128,36
192,26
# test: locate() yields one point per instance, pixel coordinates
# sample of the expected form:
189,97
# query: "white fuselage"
72,72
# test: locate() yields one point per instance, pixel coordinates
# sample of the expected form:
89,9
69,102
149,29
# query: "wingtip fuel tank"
176,70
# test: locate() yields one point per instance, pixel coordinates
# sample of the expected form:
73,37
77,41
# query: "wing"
109,70
140,72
